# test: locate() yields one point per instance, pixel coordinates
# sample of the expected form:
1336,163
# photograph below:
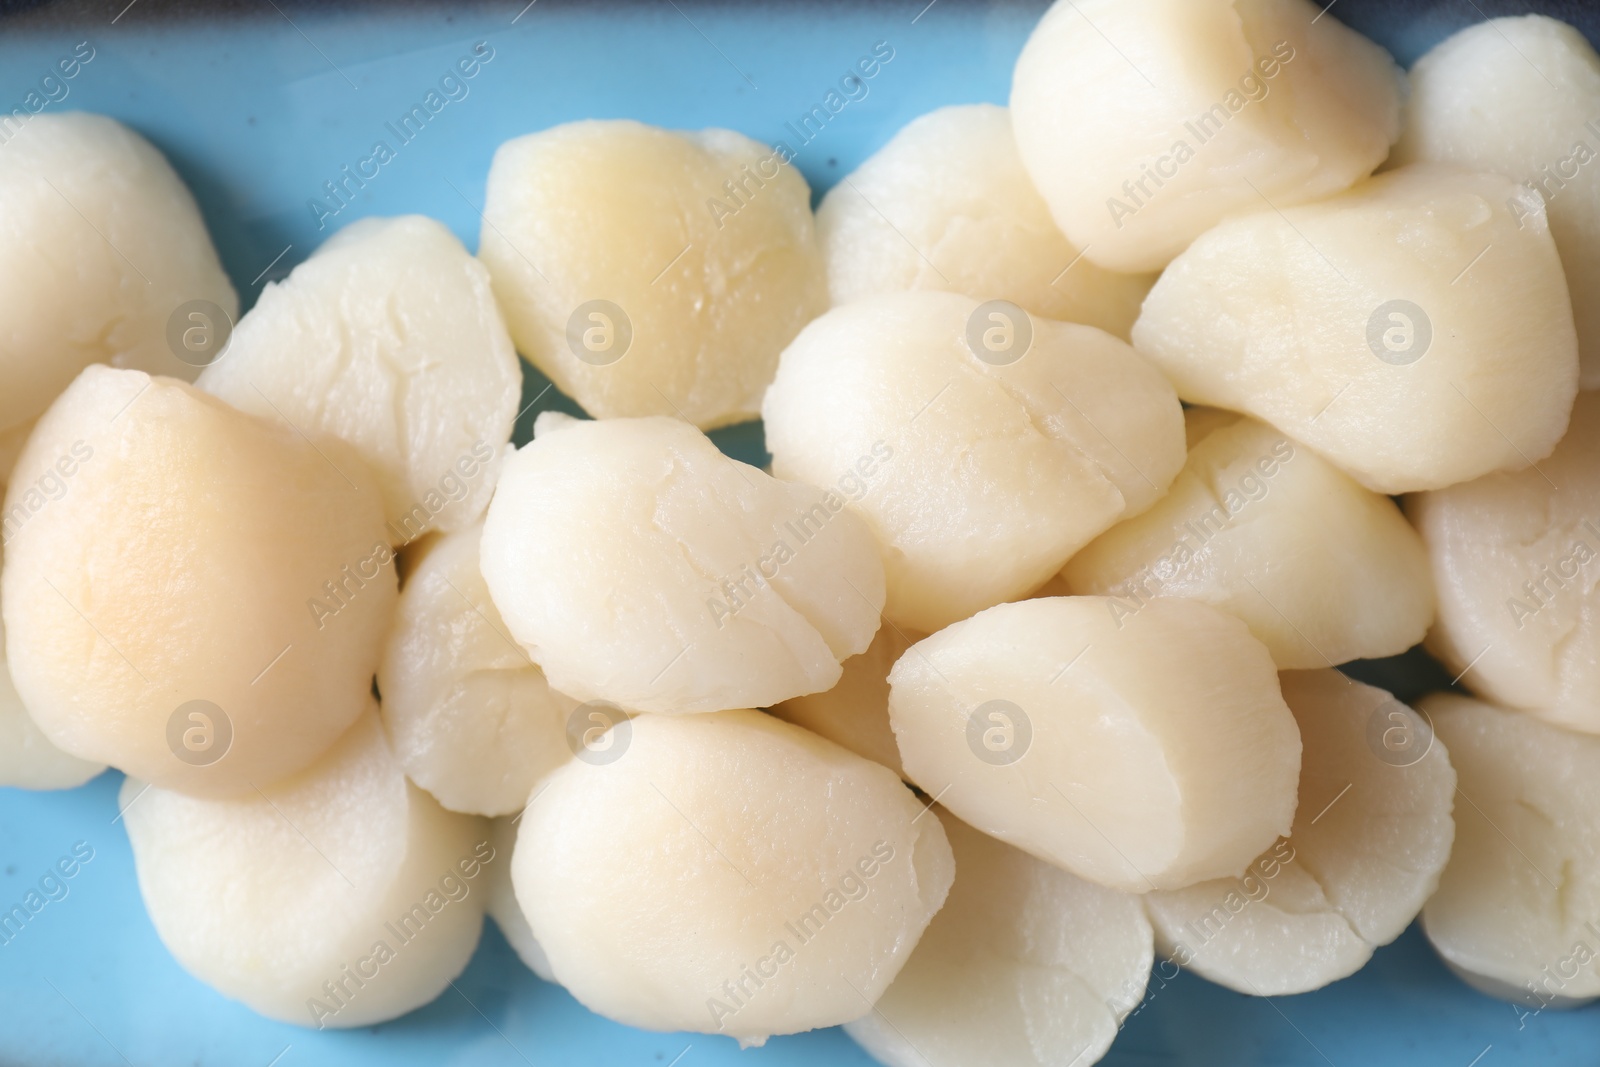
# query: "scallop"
191,594
1513,915
855,712
642,568
105,260
947,205
27,758
501,902
1146,122
1516,557
728,873
652,272
981,445
1520,97
1415,330
340,897
388,338
472,718
11,442
1024,966
1144,753
1322,570
1369,841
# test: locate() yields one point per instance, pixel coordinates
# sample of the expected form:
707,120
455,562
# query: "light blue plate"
257,114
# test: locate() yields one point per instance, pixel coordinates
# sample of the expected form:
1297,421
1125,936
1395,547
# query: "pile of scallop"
1104,428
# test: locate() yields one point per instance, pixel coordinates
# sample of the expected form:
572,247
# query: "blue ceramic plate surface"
259,106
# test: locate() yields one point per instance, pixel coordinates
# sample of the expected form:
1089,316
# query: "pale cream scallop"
1024,966
1200,422
1146,122
1143,752
501,901
640,566
946,205
194,553
1415,330
471,717
1514,914
1370,839
101,244
1322,570
1520,97
728,873
855,712
979,477
11,442
389,338
281,900
27,758
701,243
1517,561
1056,586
